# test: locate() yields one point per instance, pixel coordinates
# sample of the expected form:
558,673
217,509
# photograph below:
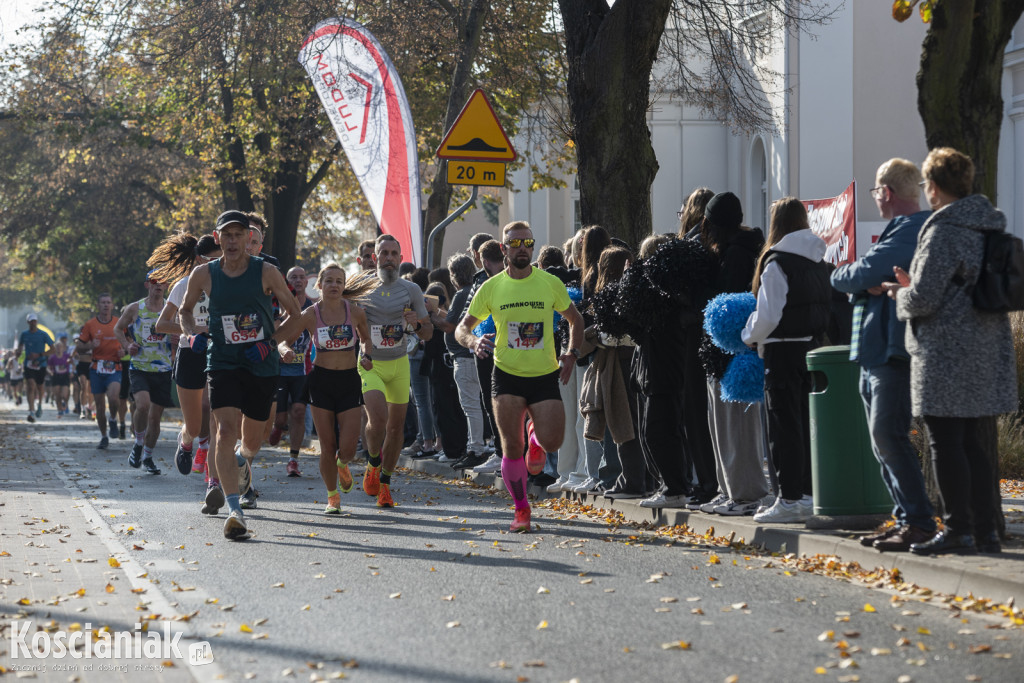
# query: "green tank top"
240,315
155,352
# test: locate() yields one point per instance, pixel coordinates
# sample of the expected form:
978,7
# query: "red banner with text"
835,221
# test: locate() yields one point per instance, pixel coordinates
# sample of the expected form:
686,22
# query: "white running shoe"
492,465
442,457
572,482
557,486
234,526
785,512
732,508
660,500
709,507
586,486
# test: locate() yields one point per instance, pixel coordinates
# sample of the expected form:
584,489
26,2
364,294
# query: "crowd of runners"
588,368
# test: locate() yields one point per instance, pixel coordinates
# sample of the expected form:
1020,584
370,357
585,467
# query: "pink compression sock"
513,472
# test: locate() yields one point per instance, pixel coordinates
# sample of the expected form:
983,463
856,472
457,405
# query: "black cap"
229,217
724,210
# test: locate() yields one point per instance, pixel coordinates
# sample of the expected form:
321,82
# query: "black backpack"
1000,285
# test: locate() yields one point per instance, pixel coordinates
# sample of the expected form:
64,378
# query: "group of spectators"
645,414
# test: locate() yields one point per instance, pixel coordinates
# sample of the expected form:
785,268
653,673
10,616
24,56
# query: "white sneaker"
572,482
441,457
660,500
784,512
732,508
586,486
557,486
765,503
709,507
492,465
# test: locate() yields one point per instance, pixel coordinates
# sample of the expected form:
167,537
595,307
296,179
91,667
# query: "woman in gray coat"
962,368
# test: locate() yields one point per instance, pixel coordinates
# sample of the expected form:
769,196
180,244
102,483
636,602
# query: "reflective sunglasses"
516,243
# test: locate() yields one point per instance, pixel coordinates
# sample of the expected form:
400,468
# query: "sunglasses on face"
516,243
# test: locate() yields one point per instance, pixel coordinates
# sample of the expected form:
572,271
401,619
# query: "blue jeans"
424,406
886,393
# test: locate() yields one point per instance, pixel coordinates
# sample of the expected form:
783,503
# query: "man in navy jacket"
877,346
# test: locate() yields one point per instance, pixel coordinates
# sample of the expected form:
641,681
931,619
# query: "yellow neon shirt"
523,312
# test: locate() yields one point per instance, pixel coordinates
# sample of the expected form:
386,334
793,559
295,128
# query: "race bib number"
106,367
201,313
242,328
32,365
526,336
147,334
298,359
386,336
335,337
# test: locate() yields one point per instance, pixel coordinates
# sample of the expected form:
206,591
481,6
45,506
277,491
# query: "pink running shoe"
536,458
521,522
199,462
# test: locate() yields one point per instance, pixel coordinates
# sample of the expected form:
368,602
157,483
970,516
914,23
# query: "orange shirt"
109,348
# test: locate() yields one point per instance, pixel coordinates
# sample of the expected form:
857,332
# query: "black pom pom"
714,359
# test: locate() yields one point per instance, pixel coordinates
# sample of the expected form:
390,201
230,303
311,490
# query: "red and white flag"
366,103
835,221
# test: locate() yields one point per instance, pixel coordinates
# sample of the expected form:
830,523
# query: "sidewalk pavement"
61,566
996,577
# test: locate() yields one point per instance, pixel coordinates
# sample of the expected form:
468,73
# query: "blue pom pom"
484,327
725,317
743,381
575,293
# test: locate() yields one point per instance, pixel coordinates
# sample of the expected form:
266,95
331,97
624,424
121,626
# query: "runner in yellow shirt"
522,301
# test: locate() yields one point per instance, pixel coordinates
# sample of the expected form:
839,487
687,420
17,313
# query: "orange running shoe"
333,504
371,480
384,496
536,458
345,480
521,523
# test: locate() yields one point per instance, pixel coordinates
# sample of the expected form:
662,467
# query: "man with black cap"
34,342
242,356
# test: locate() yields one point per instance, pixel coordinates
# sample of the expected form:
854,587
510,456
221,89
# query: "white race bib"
386,336
147,334
526,336
200,312
106,367
242,328
335,337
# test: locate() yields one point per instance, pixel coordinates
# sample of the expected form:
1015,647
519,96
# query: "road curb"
996,577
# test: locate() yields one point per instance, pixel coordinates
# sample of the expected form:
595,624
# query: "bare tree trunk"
470,28
610,52
959,84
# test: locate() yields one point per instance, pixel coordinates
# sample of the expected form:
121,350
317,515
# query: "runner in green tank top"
150,371
242,350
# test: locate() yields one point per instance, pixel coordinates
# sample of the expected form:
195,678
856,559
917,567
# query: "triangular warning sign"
476,135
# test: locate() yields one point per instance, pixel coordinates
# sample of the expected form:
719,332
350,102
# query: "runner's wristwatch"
575,352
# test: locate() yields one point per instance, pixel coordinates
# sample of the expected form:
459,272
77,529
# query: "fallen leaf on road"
536,663
676,645
542,589
278,585
113,562
978,649
542,625
448,598
110,588
670,600
923,631
260,621
868,608
245,628
879,651
826,635
395,596
453,624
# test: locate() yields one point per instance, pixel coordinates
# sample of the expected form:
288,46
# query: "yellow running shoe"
333,504
344,477
371,480
384,496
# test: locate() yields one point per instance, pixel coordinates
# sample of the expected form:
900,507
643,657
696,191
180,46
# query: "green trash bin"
844,472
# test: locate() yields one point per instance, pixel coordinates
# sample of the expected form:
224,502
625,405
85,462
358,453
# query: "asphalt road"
438,590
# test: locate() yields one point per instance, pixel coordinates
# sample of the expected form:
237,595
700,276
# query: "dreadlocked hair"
176,256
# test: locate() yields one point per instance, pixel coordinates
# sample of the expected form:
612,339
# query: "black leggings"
963,451
786,387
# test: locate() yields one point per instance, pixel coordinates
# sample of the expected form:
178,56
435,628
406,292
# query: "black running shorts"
157,384
335,390
533,389
241,389
190,369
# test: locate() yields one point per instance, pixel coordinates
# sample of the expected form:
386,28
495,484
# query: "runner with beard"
242,360
522,301
393,309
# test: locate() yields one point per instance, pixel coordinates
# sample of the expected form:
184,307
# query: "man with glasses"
149,371
877,345
522,300
393,310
